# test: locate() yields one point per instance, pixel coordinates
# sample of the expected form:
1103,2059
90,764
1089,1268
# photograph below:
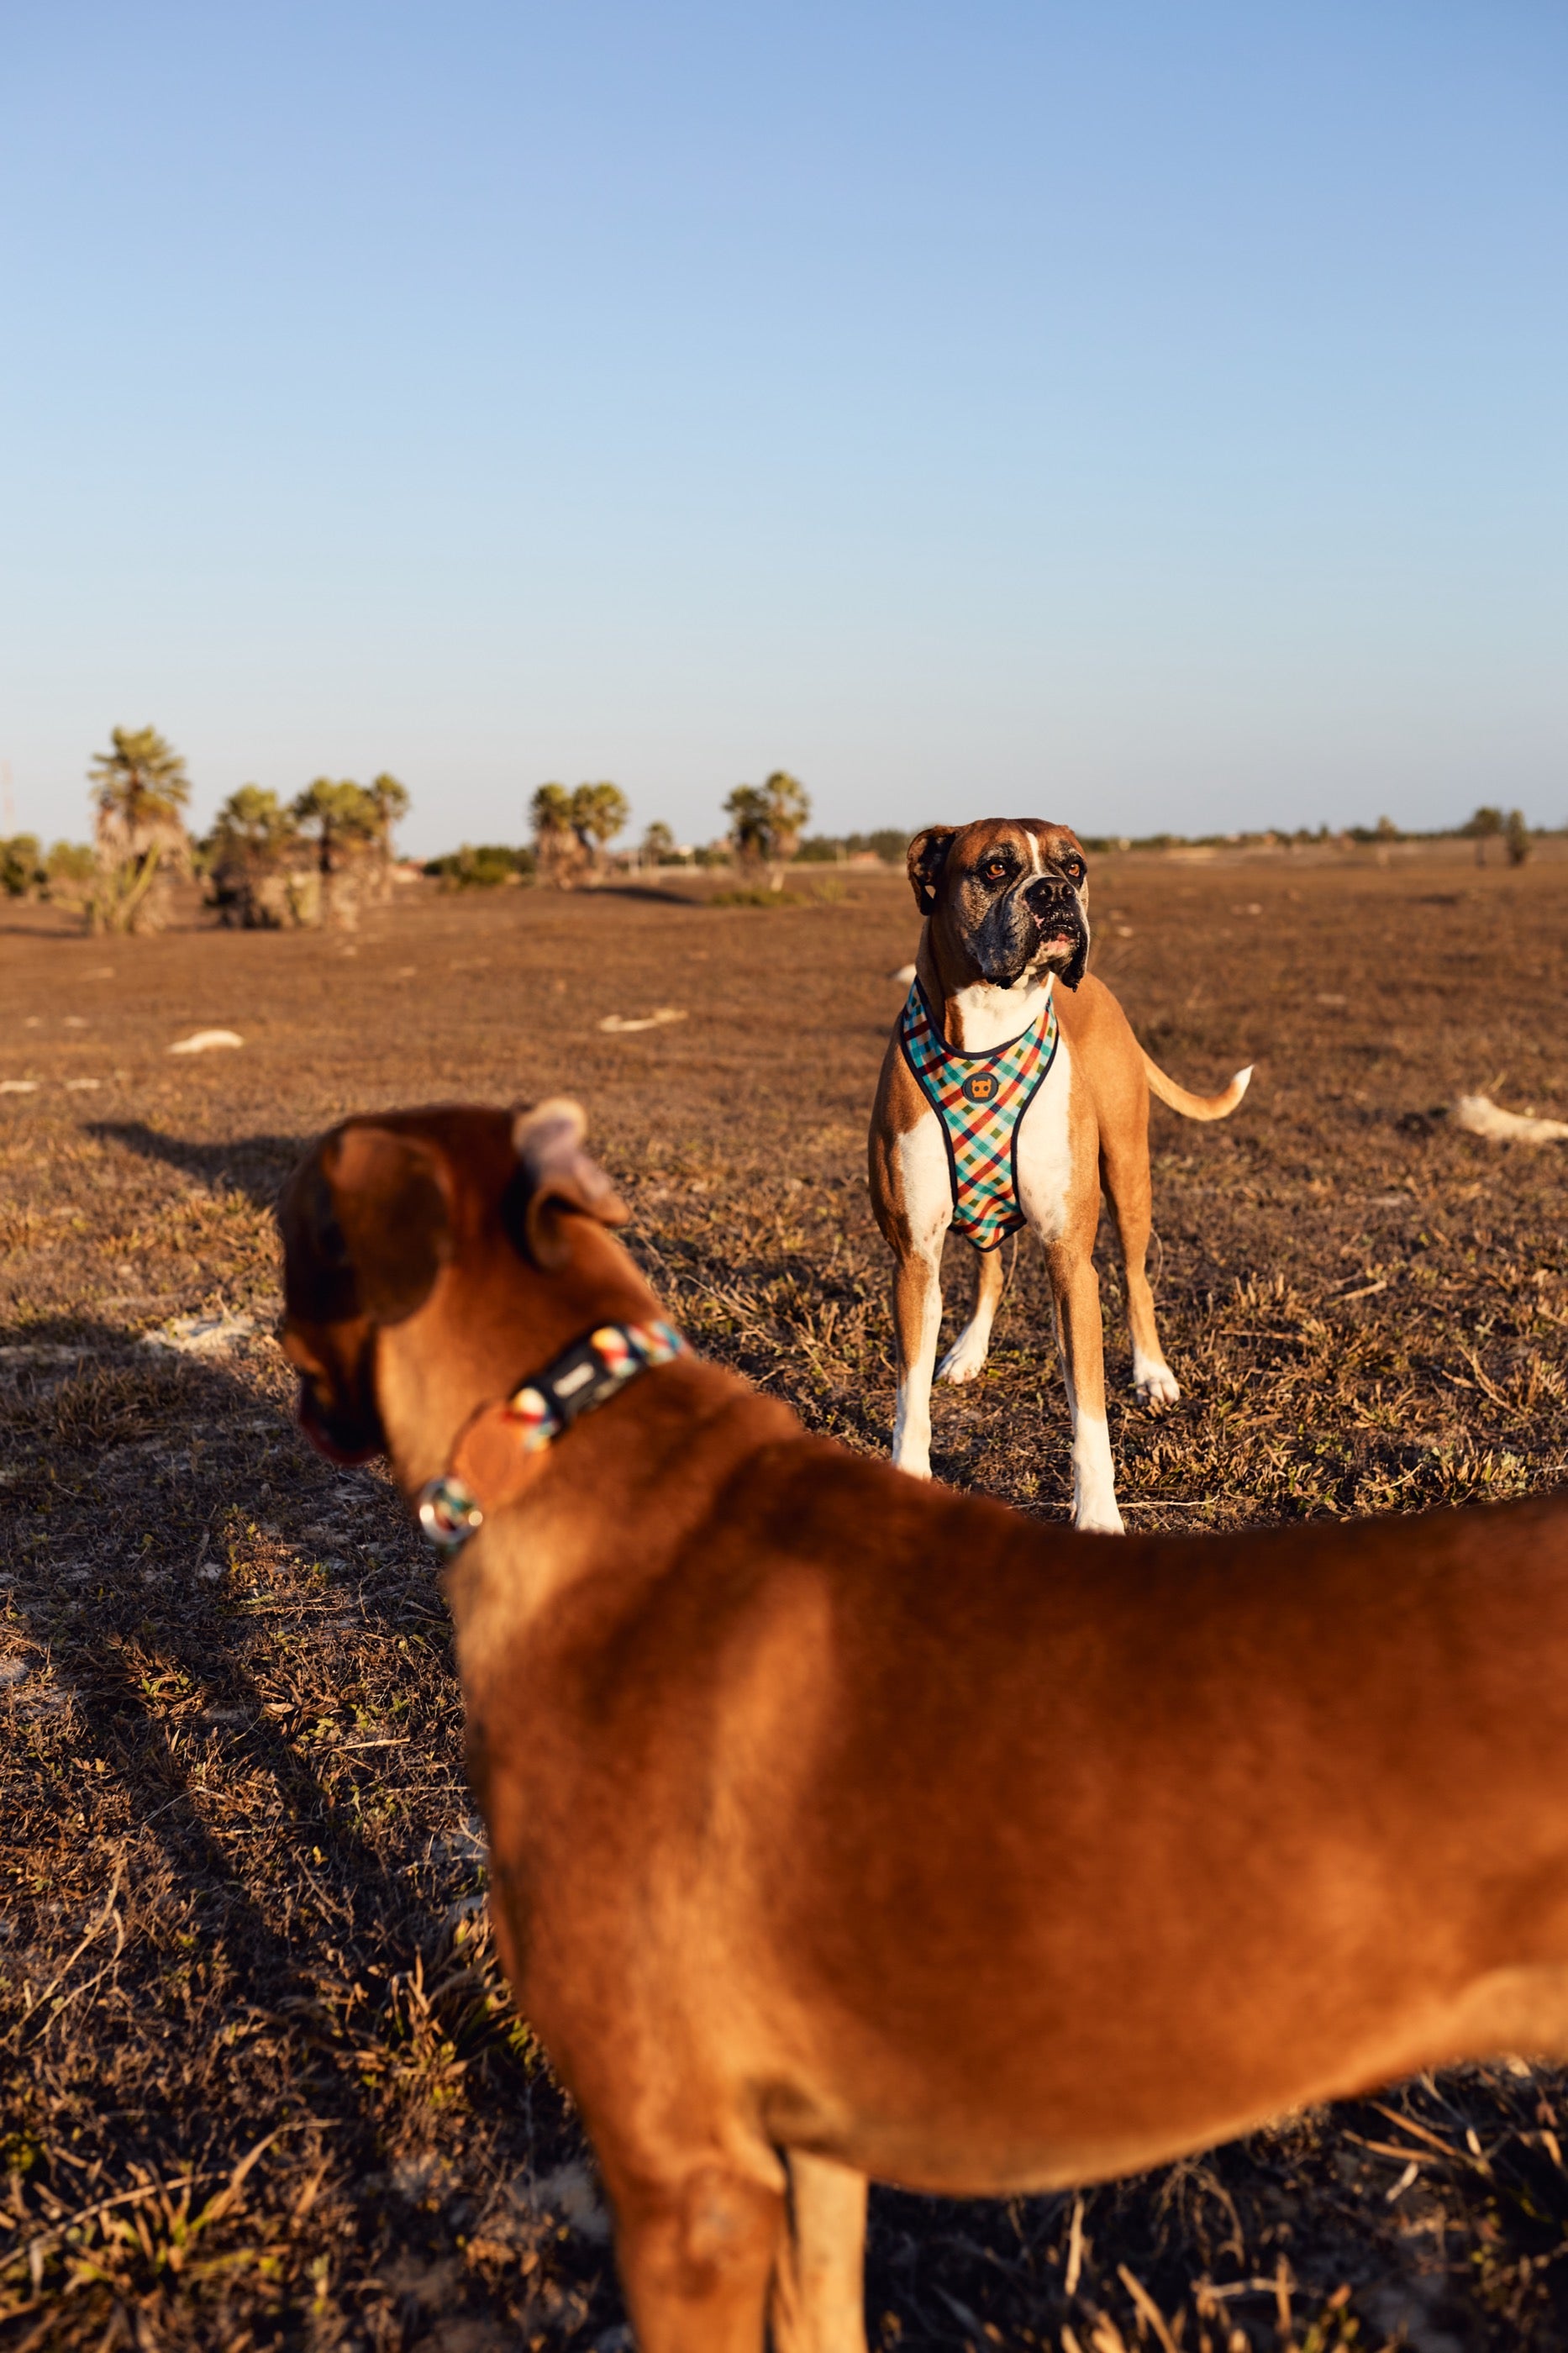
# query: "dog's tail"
1195,1106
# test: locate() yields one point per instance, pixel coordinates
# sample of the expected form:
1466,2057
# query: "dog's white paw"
964,1361
1099,1520
1155,1386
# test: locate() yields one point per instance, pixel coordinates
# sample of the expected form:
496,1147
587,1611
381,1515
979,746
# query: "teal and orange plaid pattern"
979,1100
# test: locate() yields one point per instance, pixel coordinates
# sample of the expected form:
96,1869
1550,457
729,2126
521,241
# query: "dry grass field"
263,2084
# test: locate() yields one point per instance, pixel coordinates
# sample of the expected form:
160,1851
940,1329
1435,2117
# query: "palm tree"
599,813
572,828
767,822
556,844
247,857
392,806
341,816
344,822
657,843
253,820
143,780
141,788
1484,826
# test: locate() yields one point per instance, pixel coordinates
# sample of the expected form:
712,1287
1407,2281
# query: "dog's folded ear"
390,1225
557,1179
926,857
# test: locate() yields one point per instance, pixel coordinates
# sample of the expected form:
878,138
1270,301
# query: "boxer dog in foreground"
1002,952
841,1825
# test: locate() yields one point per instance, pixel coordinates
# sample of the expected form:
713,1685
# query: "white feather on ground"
615,1022
200,1336
1481,1116
201,1041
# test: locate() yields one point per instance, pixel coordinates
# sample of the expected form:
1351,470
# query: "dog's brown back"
833,1813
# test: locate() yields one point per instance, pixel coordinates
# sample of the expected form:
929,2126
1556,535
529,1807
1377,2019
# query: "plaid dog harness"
980,1099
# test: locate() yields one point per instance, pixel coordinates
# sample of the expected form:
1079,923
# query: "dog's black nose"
1050,890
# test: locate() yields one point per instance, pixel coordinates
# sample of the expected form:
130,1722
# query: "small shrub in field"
20,873
484,867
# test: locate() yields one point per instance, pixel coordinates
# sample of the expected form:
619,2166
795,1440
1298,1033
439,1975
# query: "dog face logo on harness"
981,1089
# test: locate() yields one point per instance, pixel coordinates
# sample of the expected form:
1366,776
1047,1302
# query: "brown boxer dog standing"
1012,1087
840,1825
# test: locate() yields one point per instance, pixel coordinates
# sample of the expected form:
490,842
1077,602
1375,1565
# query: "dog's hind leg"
818,2301
966,1360
697,2258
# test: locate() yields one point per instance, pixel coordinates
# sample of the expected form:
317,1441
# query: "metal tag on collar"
448,1514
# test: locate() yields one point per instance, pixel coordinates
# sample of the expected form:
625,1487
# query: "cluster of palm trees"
573,830
767,822
275,865
268,864
314,860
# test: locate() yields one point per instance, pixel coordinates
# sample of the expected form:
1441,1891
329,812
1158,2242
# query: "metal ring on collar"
448,1514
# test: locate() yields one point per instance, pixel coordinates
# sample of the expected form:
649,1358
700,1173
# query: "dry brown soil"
263,2082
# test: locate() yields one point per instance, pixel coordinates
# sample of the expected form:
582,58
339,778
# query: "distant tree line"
572,829
1484,825
317,859
266,864
888,843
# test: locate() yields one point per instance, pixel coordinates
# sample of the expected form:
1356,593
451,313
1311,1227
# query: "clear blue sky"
1137,414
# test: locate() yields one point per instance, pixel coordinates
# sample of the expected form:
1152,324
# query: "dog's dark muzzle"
1059,918
1054,905
343,1438
1035,924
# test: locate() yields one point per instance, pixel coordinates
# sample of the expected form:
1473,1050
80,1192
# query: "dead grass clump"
107,1405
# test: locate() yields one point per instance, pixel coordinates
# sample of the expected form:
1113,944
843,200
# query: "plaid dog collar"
492,1444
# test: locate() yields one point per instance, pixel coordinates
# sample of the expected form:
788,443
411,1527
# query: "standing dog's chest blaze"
1050,1152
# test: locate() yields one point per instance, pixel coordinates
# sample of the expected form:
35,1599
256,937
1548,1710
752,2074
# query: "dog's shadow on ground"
257,1166
237,1782
229,1669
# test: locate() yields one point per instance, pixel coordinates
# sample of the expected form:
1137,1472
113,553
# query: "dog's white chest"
1043,1149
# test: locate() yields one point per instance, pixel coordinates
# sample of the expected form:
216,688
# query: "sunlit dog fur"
841,1825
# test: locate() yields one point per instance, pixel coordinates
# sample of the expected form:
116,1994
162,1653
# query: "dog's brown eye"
995,871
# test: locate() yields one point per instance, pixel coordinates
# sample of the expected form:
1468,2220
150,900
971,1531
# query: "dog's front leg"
1075,1290
696,2257
818,2303
911,1194
917,1319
